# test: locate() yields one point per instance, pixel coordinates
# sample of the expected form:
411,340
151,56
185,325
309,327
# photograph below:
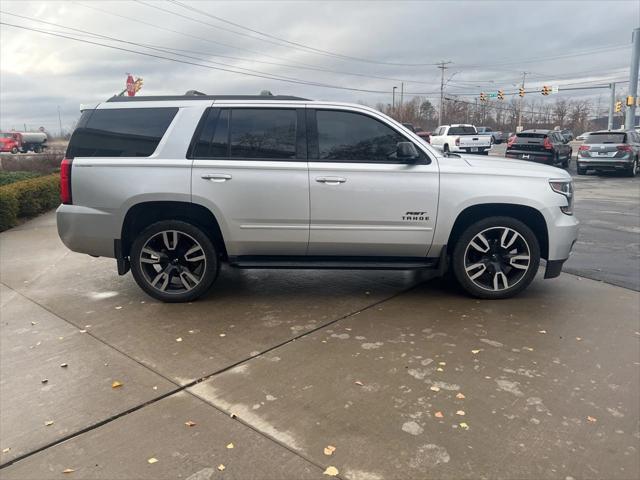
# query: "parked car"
582,136
496,135
180,184
610,151
460,138
543,146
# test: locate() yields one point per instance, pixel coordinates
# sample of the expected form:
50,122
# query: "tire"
14,150
633,171
37,149
495,276
485,152
174,261
565,162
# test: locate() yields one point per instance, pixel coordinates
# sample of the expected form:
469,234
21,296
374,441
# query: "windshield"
606,137
6,135
462,131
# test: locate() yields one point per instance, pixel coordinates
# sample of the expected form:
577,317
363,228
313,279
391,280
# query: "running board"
334,263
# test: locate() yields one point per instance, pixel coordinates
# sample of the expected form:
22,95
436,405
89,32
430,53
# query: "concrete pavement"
282,364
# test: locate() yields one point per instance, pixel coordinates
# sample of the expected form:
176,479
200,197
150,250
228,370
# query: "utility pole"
401,98
630,119
519,126
393,101
59,121
612,104
442,66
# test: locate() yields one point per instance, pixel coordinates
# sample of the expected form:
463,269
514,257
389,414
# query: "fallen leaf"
68,470
359,383
434,388
118,308
442,363
439,369
438,415
223,334
475,351
152,460
192,331
460,412
34,323
44,380
230,446
542,331
464,426
179,339
232,415
221,467
64,365
48,423
6,450
155,387
329,449
578,338
82,331
116,384
528,348
460,396
592,419
189,423
331,471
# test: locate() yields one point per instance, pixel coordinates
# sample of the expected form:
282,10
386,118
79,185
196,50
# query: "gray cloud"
487,41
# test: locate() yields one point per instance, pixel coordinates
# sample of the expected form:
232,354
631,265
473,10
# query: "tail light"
584,148
65,181
457,141
512,140
547,144
625,148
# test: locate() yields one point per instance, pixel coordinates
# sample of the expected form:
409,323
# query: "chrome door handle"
216,177
331,180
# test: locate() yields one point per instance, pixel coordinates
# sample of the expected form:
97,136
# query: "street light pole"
442,67
633,80
611,105
59,121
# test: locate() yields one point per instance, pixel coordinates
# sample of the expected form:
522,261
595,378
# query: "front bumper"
563,234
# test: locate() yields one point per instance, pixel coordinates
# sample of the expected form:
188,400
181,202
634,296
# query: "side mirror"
406,151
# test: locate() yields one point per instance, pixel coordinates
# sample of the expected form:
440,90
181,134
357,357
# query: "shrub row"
10,177
42,163
27,198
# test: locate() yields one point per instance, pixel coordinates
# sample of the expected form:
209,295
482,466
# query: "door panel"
264,205
378,210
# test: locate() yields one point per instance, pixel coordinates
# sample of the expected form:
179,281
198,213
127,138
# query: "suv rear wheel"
497,257
174,261
633,169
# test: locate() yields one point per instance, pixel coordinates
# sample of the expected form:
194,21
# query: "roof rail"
195,95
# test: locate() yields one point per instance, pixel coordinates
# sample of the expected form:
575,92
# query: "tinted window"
462,131
213,140
125,132
606,137
354,137
263,133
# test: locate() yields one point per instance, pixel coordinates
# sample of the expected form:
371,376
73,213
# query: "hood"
511,166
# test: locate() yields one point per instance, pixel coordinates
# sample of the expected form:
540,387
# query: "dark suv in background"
542,146
610,151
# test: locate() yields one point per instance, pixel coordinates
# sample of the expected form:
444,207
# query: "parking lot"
405,376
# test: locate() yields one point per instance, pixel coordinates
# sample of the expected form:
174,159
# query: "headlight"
565,188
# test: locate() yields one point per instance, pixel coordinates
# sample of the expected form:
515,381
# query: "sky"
304,48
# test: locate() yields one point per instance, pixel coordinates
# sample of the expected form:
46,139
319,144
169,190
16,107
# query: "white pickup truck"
460,138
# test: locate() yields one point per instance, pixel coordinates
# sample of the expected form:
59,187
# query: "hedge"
27,198
11,177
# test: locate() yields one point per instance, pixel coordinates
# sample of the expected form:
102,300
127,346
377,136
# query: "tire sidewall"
212,268
457,260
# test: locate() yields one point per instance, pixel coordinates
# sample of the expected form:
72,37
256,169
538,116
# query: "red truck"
16,142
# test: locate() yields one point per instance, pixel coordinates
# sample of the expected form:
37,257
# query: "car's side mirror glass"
406,151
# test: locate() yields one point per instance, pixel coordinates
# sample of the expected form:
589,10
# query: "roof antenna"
266,93
191,93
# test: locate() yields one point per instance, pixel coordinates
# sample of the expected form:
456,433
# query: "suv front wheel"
496,257
174,261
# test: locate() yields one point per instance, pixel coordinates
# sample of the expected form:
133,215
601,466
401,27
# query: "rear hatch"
529,146
603,145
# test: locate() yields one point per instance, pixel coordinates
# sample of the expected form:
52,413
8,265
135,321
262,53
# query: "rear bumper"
469,149
538,157
86,230
612,164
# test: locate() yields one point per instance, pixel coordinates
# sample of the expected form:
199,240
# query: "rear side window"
462,131
353,137
263,133
213,139
606,137
121,132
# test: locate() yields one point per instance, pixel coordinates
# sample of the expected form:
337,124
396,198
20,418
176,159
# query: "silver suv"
173,186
